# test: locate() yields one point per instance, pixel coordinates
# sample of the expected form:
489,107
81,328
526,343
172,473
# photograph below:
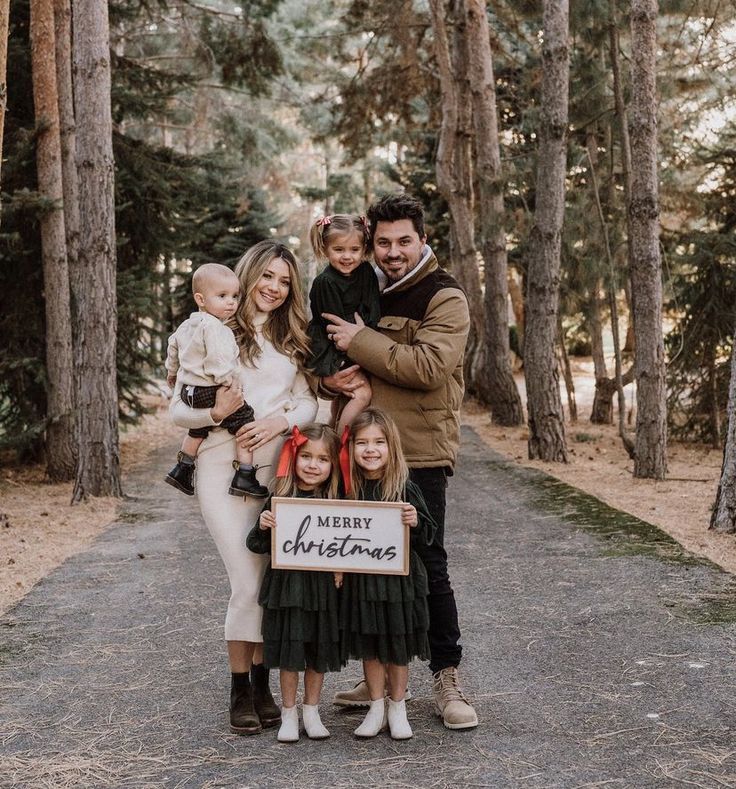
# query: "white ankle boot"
313,723
374,721
398,723
289,731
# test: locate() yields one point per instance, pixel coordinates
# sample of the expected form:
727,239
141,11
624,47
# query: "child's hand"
266,521
409,516
171,380
338,580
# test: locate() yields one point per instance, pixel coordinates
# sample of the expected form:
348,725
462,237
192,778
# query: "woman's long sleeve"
302,406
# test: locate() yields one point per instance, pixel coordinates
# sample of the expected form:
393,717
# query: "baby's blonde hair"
396,472
207,274
337,225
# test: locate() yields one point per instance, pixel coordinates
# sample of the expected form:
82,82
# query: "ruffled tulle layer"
385,617
301,627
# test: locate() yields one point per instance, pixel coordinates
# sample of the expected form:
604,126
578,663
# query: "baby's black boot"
245,483
182,475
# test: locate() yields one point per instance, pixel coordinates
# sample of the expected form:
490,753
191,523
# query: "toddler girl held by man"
348,285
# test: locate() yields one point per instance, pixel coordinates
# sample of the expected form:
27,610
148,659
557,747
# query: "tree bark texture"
646,270
454,170
723,518
546,421
63,41
4,20
60,437
495,381
98,471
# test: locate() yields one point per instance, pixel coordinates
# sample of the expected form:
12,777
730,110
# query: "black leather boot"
245,483
182,475
267,709
243,717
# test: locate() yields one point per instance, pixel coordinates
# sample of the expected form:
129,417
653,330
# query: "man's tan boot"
450,702
358,696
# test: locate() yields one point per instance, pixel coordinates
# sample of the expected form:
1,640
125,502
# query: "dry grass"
39,529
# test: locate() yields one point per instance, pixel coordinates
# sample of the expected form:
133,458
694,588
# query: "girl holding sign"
300,607
384,618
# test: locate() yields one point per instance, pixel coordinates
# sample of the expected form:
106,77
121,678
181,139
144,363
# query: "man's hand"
345,381
342,332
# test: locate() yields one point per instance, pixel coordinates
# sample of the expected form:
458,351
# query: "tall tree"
646,270
495,380
98,472
67,133
60,445
4,20
546,420
454,164
723,518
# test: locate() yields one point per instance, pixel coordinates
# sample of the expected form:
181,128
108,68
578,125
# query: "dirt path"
597,651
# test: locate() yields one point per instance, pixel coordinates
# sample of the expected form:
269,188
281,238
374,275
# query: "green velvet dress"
385,617
342,296
300,613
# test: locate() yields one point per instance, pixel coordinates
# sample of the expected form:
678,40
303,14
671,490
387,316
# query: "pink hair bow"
326,220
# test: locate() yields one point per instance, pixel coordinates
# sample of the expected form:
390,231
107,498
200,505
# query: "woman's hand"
227,400
345,381
257,434
266,521
409,516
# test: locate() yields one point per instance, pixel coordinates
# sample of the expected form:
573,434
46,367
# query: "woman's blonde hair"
330,488
286,326
337,225
396,472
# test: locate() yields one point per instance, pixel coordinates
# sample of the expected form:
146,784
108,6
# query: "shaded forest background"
236,121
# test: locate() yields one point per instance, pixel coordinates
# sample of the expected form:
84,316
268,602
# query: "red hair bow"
345,459
289,450
325,220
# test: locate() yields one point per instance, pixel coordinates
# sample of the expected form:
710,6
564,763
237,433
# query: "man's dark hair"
396,206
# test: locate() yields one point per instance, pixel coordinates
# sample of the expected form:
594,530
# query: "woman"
270,327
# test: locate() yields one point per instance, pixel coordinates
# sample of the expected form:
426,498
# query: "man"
415,358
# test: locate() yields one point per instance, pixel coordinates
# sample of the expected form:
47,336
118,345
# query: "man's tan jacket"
415,359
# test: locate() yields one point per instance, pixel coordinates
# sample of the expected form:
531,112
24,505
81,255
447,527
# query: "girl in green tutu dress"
384,618
300,607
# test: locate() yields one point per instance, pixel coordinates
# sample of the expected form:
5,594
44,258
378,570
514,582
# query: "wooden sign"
346,536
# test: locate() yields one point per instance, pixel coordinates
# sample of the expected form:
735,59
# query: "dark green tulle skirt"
385,617
301,627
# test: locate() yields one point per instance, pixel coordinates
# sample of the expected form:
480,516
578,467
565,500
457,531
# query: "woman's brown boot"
243,716
266,708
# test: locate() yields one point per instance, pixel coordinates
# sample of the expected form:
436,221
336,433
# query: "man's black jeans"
444,631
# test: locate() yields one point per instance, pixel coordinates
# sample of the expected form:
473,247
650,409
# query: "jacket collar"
426,265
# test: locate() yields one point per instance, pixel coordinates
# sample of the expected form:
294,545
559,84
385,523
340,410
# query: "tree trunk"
546,421
63,40
98,471
618,95
454,173
517,305
723,518
4,19
646,275
60,449
567,374
495,381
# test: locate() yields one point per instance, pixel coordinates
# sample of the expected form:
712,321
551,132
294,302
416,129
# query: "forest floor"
39,529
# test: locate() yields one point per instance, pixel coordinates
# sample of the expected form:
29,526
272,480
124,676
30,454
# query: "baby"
204,355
